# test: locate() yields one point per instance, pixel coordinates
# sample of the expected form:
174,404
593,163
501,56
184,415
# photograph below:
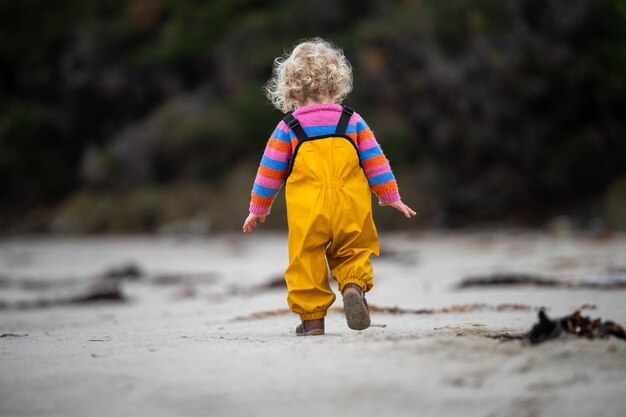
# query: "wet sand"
203,330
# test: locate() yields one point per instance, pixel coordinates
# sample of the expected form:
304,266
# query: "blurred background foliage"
148,115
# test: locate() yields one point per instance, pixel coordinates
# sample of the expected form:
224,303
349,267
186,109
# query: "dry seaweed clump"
574,324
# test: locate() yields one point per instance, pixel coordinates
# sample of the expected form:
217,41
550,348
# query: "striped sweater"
320,119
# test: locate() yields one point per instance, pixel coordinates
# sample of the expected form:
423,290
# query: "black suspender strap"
344,120
296,127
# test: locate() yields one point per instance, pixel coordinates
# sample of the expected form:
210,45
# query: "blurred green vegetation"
129,115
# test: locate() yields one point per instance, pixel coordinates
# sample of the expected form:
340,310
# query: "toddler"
328,159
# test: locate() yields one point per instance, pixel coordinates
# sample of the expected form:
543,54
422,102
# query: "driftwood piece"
71,292
609,280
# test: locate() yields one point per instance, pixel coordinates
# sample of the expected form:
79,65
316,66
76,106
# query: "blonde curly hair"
315,69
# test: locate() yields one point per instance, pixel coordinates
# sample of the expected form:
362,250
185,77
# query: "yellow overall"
329,213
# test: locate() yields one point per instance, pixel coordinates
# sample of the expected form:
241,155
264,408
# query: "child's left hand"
250,222
400,206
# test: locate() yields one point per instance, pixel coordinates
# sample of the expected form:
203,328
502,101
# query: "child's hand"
400,206
250,222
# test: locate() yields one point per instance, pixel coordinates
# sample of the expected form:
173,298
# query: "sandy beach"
202,329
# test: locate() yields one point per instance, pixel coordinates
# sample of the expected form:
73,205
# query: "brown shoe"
310,328
355,307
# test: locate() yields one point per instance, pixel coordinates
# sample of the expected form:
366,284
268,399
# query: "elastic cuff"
260,210
313,316
389,197
353,280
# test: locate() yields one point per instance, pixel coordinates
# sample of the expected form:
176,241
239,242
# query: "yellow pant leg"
308,292
355,240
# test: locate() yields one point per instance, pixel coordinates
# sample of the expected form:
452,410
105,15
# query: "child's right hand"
400,206
250,222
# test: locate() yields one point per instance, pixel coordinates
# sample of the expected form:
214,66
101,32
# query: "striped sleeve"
375,164
272,171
